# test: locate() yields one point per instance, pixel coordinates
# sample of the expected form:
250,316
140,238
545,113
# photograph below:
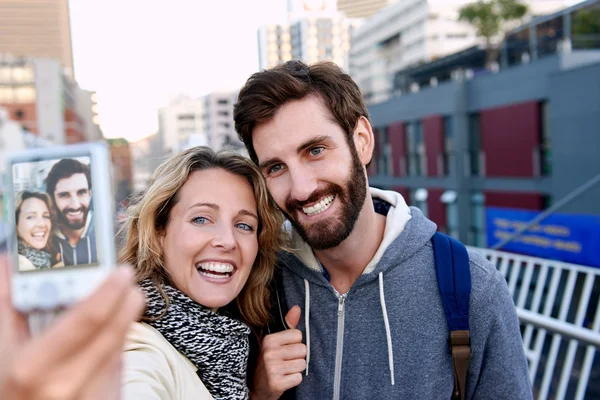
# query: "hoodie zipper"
340,345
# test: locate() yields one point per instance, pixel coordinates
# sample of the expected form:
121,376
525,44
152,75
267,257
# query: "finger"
293,351
289,381
68,379
293,317
83,322
293,366
5,299
276,340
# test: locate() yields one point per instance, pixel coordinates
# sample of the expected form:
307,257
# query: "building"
362,8
122,168
147,155
46,102
180,119
37,28
207,120
315,31
523,138
87,110
410,33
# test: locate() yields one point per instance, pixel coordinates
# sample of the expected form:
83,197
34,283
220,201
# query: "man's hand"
282,360
78,356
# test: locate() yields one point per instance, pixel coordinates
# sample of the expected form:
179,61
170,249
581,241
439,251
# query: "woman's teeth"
319,207
215,270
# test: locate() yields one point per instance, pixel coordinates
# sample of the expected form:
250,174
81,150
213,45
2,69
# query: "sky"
138,54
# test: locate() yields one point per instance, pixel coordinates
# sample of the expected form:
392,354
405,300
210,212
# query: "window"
223,113
415,149
384,160
448,145
545,152
477,229
186,117
24,94
449,199
223,101
418,198
475,160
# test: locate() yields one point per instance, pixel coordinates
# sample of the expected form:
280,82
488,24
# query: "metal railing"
558,305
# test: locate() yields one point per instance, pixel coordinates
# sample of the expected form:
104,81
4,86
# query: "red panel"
509,136
433,135
436,210
526,201
403,192
397,141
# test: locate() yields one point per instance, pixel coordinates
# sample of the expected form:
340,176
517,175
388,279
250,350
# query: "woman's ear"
364,140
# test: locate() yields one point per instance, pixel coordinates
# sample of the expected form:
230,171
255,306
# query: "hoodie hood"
398,219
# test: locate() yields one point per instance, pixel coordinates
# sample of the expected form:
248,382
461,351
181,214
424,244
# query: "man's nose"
75,203
303,184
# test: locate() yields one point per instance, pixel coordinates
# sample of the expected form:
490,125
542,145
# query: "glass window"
477,235
5,75
545,145
418,198
448,144
6,95
415,148
474,144
449,199
22,74
25,94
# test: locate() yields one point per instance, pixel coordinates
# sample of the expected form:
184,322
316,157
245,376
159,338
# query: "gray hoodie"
387,337
84,252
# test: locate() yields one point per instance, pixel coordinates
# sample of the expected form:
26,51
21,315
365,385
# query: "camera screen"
54,214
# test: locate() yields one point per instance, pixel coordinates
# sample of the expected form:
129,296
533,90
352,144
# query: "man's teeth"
319,207
215,270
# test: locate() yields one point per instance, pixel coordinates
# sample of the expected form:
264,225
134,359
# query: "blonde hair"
148,217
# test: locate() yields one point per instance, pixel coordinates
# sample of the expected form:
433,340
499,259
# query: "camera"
60,219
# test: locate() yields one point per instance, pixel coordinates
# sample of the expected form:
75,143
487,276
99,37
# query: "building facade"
45,101
525,138
362,8
204,121
409,33
37,28
315,31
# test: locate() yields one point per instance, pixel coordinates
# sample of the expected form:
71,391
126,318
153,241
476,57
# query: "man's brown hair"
266,91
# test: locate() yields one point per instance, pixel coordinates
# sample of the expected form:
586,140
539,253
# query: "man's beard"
74,225
332,231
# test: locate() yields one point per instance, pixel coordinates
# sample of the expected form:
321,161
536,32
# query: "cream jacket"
155,370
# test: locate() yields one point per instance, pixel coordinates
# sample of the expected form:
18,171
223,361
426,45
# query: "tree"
490,19
586,28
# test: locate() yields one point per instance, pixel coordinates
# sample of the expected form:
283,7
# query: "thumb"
293,317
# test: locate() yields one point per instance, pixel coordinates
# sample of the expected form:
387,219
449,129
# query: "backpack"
454,281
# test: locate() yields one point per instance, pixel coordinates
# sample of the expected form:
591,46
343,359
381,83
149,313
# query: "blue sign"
573,238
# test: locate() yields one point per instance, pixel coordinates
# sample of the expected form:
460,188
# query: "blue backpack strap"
454,281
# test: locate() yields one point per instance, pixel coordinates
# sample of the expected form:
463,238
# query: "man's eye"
63,195
274,169
315,151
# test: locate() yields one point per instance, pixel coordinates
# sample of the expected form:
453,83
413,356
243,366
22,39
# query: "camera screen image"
54,214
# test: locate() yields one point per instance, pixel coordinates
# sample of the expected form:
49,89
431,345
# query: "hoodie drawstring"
89,250
306,323
62,256
387,327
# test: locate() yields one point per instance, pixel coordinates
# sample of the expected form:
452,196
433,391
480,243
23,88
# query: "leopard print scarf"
40,259
218,345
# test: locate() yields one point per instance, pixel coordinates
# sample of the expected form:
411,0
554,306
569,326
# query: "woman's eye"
199,220
315,151
245,227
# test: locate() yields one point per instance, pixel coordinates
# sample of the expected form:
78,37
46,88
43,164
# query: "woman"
34,227
203,240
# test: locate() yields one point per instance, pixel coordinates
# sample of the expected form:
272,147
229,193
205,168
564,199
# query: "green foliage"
586,22
488,17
